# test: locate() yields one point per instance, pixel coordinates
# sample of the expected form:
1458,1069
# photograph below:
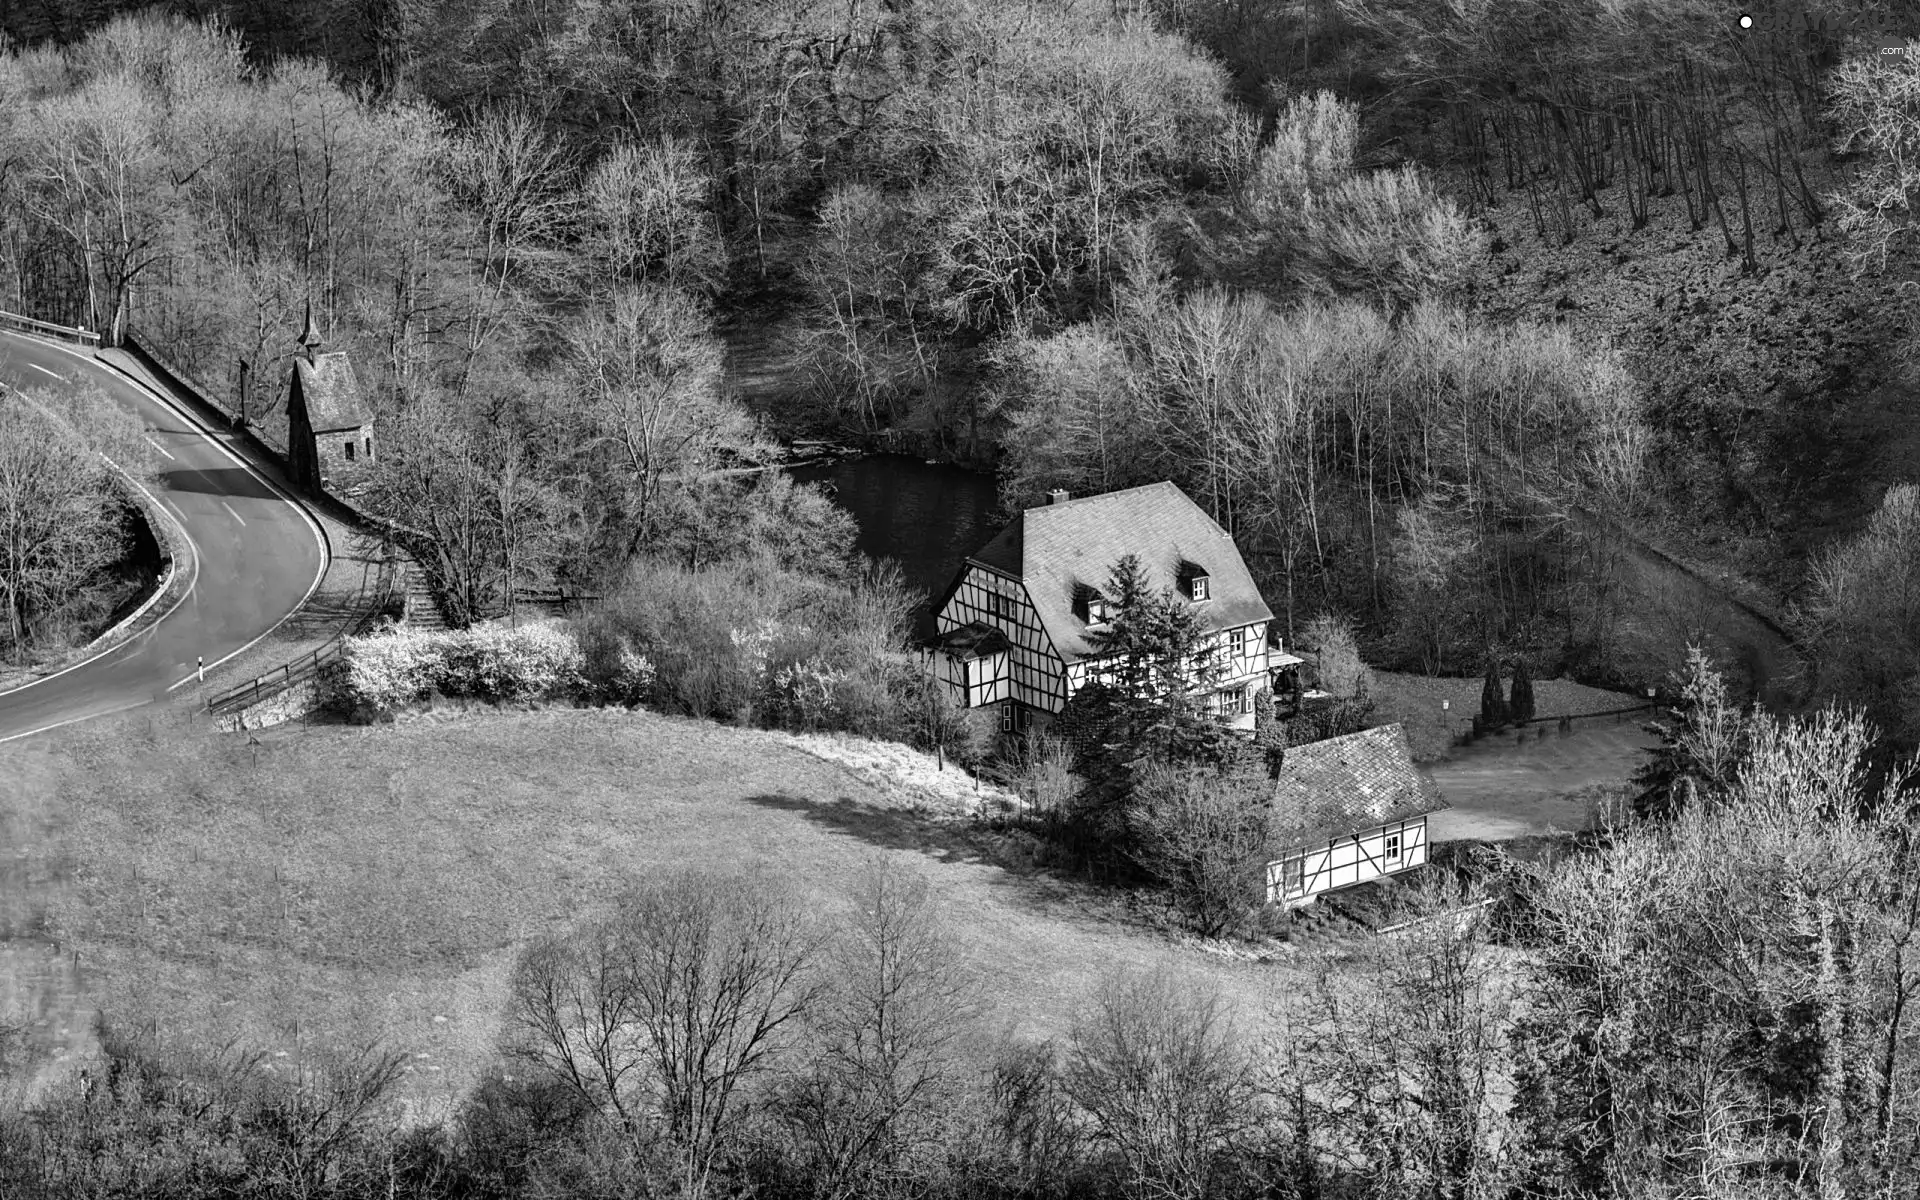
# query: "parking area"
1508,785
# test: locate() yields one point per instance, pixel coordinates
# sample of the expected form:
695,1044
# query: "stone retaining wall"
296,701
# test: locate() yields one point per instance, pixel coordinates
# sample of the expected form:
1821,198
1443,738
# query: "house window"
1006,718
1246,699
1293,877
1000,605
349,449
369,447
1198,588
1097,613
1392,850
1026,720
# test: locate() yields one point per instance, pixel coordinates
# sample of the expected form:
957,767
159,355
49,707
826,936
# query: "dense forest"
1440,309
1275,252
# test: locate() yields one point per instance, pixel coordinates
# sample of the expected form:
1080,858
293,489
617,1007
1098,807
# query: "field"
379,882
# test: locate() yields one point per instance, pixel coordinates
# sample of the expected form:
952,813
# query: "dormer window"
1099,612
1194,582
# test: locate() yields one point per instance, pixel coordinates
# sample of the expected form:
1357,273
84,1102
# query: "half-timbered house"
1013,627
1348,810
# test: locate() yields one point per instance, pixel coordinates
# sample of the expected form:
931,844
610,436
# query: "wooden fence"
1467,728
1461,917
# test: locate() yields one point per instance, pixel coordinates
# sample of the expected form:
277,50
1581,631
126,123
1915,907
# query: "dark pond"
926,516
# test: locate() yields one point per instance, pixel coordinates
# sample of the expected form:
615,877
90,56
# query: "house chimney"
1057,496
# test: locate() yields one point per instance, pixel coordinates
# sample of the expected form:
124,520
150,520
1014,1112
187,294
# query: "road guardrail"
14,321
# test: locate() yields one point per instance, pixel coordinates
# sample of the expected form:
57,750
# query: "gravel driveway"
1502,788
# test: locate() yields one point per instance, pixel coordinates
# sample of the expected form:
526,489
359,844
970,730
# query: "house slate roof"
1341,786
331,392
1057,549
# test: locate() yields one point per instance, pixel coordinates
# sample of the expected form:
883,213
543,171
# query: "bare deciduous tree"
1876,103
1159,1066
511,174
1208,837
889,1038
59,507
665,1015
643,215
864,343
1862,619
653,424
1408,1060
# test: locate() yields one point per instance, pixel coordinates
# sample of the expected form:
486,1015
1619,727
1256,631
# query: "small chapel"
329,427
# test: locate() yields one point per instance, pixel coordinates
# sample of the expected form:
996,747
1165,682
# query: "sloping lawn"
378,882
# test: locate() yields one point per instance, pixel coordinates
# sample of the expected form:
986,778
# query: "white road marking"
192,594
44,371
236,516
313,526
14,737
155,445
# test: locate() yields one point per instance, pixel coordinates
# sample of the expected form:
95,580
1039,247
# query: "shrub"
1206,836
1520,703
383,672
801,695
1493,705
751,641
934,721
1338,668
613,669
526,663
872,698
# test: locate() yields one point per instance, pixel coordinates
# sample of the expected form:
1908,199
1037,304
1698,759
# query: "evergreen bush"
1493,704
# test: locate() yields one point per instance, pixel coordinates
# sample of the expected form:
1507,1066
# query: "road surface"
258,557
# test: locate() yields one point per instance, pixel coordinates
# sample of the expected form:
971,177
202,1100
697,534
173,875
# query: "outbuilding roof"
1341,786
331,392
1057,550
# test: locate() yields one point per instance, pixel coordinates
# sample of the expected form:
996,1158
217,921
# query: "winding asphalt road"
258,556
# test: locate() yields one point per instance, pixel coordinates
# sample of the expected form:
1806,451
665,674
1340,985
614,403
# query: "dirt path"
1673,604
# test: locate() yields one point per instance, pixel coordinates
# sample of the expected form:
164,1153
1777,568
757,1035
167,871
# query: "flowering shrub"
634,676
512,664
754,646
384,671
801,695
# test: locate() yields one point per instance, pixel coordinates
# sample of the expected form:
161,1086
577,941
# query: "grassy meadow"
300,888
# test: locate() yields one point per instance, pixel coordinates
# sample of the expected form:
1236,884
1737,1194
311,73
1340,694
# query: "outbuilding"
329,427
1349,810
